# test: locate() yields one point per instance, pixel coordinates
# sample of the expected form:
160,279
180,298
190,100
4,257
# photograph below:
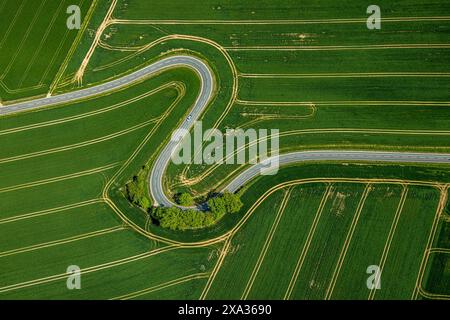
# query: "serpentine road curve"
204,97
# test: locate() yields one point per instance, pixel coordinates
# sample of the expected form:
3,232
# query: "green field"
319,244
310,69
40,25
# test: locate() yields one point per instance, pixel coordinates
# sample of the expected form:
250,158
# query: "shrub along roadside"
175,218
184,199
135,190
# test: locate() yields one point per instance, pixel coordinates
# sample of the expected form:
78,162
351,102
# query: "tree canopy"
175,218
135,190
184,199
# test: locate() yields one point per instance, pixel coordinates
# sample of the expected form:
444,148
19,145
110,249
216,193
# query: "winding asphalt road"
336,155
205,95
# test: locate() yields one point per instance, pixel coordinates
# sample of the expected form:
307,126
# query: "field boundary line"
267,244
335,48
439,210
215,271
109,47
61,241
272,21
342,75
111,64
346,103
260,117
276,103
87,270
60,178
434,296
387,244
50,211
348,240
439,250
308,241
269,117
147,222
19,90
161,286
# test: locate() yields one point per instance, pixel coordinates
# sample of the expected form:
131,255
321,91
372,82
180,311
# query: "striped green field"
132,277
308,68
40,25
55,165
317,241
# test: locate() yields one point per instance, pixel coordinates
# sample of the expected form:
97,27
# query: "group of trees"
135,190
184,199
178,219
175,218
224,203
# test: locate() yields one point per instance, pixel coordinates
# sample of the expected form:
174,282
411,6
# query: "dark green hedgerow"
184,199
178,219
135,190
